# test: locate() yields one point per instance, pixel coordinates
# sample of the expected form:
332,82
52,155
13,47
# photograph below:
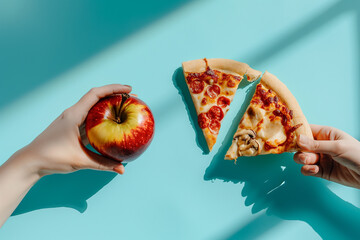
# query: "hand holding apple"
120,127
59,148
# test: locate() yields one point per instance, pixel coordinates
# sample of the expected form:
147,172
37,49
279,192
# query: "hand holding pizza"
333,155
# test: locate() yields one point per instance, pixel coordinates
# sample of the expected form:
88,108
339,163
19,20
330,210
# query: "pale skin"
333,155
58,149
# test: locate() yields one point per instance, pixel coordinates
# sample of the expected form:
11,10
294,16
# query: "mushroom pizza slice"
212,85
271,123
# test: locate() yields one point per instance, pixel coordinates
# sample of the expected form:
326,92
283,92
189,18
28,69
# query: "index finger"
327,133
84,105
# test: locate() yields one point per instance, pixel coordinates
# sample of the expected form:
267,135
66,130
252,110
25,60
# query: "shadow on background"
299,33
64,190
274,182
180,84
42,39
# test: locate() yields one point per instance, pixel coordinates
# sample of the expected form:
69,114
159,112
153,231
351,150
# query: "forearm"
17,176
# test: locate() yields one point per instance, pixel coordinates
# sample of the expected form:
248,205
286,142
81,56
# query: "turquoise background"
53,52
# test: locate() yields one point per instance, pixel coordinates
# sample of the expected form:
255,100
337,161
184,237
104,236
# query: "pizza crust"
270,81
252,74
224,65
269,133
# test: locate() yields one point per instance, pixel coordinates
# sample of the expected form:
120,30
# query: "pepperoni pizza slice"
212,84
271,123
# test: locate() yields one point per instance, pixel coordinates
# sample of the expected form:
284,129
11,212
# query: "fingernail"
303,160
119,169
127,86
312,170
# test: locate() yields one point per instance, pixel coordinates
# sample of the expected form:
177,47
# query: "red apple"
120,127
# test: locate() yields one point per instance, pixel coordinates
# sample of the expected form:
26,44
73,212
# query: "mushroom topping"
245,133
247,144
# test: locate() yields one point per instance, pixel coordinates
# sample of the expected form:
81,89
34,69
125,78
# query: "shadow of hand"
280,188
180,84
274,182
64,190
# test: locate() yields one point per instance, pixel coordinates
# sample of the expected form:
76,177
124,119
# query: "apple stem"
117,118
125,97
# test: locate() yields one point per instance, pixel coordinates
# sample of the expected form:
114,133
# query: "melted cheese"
271,132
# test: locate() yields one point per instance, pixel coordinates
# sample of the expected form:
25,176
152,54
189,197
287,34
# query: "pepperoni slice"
203,101
231,83
223,102
214,126
203,120
197,86
213,91
215,113
188,79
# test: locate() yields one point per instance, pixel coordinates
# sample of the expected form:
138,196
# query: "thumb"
99,162
319,146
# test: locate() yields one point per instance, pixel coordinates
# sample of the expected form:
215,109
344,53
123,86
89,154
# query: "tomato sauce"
266,99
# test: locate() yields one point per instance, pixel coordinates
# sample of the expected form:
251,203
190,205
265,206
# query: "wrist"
25,164
17,175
